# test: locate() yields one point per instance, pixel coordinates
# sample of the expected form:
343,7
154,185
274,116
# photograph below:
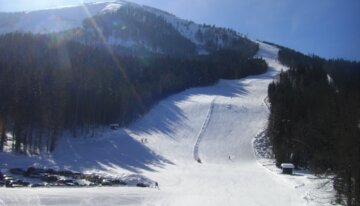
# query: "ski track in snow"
224,129
202,130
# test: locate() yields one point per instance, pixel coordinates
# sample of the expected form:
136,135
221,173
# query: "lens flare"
113,56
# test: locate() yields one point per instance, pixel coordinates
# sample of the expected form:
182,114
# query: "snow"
111,8
330,80
189,30
59,19
287,166
212,123
202,131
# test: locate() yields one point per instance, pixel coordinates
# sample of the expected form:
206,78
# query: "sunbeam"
113,56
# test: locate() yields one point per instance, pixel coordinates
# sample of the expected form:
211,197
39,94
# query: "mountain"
127,26
49,20
83,66
201,95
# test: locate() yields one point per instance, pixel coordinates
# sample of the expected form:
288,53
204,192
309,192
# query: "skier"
157,186
229,157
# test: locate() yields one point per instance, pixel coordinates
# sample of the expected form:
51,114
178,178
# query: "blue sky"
329,28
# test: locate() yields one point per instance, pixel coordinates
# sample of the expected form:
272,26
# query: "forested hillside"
49,85
315,119
133,28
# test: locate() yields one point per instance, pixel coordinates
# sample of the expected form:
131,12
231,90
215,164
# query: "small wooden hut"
287,168
114,126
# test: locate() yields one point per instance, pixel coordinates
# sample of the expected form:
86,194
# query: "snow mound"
112,8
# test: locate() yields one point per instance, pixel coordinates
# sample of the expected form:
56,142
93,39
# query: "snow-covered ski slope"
216,124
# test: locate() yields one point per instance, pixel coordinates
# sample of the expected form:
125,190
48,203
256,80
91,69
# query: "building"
287,168
114,126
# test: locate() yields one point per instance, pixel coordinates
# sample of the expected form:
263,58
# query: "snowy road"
212,123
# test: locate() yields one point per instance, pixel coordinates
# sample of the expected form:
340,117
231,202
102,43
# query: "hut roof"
287,166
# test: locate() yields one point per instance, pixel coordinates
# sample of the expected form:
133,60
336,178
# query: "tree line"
315,119
49,85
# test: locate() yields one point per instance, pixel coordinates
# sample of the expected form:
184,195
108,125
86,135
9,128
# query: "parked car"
50,178
141,185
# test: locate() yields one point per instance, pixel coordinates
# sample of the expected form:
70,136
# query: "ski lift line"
202,131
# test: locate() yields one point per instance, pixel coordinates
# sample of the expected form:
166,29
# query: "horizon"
323,28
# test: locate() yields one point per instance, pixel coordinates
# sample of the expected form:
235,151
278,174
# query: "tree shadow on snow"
114,151
166,115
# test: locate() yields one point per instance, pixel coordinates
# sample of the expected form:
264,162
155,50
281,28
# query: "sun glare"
112,53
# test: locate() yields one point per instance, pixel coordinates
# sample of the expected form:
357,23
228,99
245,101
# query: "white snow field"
216,124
